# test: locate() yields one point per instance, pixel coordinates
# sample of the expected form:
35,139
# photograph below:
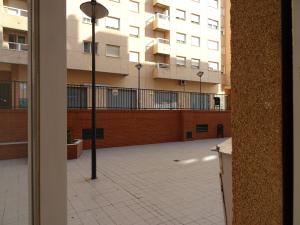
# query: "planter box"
75,149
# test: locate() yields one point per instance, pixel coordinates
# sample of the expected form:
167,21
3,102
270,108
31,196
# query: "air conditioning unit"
182,82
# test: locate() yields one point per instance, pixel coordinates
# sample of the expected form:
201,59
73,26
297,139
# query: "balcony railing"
162,16
162,41
17,46
15,11
13,94
162,66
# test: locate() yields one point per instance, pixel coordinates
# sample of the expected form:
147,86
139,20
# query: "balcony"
15,46
14,18
15,11
161,3
161,46
161,70
161,22
15,53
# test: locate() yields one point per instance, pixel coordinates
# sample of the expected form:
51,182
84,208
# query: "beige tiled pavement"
137,185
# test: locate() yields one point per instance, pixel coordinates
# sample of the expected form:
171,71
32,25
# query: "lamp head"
200,74
139,66
92,6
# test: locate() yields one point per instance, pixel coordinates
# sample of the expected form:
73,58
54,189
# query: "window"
213,45
213,3
165,99
87,47
17,42
213,66
134,31
180,38
134,6
201,128
195,18
121,98
134,56
195,41
77,97
87,20
180,61
180,14
195,63
199,101
112,50
213,24
112,23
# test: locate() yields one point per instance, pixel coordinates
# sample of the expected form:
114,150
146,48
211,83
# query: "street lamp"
200,75
95,11
139,67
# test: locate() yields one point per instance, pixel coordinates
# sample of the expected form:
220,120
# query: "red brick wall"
121,127
128,127
13,125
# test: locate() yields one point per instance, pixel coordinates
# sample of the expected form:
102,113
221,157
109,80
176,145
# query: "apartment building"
173,40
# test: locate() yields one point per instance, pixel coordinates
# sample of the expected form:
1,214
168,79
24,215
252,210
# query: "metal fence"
14,95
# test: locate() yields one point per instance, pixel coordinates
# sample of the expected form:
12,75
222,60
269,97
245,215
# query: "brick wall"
121,127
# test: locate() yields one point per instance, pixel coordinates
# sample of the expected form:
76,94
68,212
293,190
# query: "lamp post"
200,75
139,67
95,11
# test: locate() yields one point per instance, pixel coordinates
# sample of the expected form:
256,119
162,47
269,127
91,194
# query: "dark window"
87,133
199,101
165,99
120,98
77,97
200,128
189,135
5,95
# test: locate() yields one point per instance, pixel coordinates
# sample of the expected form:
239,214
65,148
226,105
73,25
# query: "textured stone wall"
256,112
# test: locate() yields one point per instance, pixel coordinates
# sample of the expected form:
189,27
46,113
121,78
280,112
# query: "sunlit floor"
140,185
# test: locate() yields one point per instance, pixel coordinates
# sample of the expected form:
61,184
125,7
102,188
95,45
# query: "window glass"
180,14
112,23
195,18
195,41
213,66
165,99
134,57
180,61
213,3
196,63
213,45
134,31
133,6
180,38
112,50
213,24
87,47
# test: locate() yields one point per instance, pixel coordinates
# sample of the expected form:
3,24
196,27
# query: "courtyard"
160,184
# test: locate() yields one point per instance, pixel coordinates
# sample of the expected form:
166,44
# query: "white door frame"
47,114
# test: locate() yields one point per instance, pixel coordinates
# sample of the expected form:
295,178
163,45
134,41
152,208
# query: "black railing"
13,95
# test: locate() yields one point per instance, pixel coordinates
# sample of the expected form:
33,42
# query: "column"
47,111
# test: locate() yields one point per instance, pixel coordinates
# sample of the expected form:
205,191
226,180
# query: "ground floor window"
77,97
121,98
199,101
165,99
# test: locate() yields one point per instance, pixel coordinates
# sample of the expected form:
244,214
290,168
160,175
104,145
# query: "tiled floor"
140,185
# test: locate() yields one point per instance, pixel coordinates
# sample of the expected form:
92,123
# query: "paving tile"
137,185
